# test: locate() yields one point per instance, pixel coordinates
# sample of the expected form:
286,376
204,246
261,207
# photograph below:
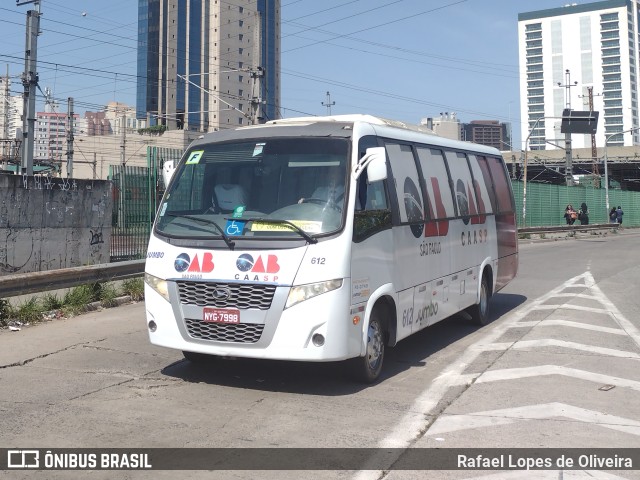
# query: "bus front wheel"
195,357
480,311
367,369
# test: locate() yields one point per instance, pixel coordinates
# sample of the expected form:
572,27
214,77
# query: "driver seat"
227,196
335,194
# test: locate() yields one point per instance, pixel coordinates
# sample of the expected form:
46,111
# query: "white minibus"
324,239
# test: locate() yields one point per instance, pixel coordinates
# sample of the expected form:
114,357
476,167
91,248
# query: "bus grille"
226,295
220,332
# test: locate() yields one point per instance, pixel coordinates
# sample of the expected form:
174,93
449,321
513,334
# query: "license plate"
220,315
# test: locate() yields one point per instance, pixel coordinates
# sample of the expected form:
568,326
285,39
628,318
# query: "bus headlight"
158,285
304,292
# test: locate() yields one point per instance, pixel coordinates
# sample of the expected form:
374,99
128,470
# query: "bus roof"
342,126
353,118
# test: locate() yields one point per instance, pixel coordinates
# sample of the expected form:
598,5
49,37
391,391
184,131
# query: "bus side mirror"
167,171
375,162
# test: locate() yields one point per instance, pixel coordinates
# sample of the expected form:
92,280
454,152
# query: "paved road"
567,326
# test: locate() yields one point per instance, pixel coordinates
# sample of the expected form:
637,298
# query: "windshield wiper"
230,243
278,221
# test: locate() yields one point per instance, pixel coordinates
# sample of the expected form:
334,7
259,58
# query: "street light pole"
606,161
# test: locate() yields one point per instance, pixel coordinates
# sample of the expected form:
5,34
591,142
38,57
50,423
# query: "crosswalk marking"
552,342
568,323
525,372
412,425
548,411
568,306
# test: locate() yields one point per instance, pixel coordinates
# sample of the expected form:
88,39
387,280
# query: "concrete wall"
50,223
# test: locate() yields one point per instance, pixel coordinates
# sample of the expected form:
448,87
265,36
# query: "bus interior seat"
229,196
326,193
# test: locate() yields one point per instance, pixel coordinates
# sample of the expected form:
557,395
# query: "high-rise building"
205,65
565,52
10,110
50,145
491,133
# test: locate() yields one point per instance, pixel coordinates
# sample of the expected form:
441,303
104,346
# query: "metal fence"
136,196
546,203
137,192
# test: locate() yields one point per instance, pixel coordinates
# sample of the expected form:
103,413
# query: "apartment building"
573,57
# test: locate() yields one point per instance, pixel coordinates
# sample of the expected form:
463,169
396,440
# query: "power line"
381,24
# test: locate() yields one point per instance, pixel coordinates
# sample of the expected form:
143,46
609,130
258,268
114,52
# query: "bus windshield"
296,186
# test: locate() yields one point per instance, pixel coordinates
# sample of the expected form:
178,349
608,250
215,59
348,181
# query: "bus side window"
372,213
375,215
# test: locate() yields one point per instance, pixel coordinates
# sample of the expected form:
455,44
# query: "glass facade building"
205,65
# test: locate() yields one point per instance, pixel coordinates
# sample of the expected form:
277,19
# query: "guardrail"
35,282
568,228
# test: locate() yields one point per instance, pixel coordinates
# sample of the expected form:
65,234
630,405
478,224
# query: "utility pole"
69,137
256,100
594,149
30,81
5,130
567,136
328,104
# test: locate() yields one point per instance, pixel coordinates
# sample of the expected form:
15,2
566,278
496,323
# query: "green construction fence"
546,203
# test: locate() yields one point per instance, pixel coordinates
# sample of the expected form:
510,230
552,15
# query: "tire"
480,311
367,369
197,358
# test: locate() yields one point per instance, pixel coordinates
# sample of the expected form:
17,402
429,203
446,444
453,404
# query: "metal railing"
35,282
568,228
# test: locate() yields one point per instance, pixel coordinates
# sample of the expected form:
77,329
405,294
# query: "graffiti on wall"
48,223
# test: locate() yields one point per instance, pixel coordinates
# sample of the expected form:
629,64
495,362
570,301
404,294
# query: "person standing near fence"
619,214
613,216
570,214
583,215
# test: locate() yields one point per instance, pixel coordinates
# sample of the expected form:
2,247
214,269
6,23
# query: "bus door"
470,233
436,248
408,230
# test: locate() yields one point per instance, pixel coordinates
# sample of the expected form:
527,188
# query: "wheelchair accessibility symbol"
234,227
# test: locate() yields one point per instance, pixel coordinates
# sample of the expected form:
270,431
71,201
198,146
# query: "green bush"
50,301
108,295
6,312
81,295
134,287
29,311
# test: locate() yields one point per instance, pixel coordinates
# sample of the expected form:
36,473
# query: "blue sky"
399,59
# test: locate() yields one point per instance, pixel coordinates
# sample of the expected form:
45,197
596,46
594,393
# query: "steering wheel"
319,201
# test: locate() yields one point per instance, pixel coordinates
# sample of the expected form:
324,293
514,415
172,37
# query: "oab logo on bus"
194,268
246,263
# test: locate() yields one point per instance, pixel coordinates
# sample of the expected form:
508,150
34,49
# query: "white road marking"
526,372
567,306
455,423
568,323
552,342
625,324
412,425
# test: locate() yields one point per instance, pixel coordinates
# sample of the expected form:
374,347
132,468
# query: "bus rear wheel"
480,311
367,369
